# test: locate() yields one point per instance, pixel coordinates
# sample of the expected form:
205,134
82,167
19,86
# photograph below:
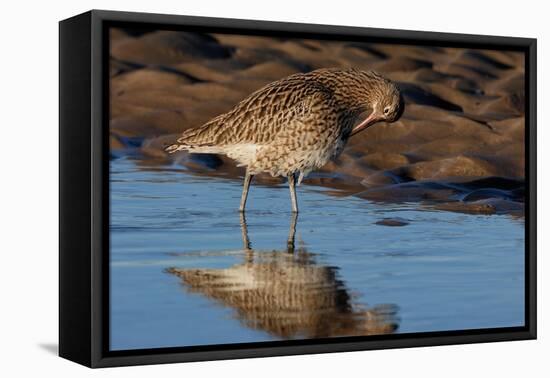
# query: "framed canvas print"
234,188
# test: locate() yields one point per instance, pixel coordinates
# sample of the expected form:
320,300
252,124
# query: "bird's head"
368,95
379,100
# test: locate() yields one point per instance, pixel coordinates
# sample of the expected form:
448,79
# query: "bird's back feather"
257,119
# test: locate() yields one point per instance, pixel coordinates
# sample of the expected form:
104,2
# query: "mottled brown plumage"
297,124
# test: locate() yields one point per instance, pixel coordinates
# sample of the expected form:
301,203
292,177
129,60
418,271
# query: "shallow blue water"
442,271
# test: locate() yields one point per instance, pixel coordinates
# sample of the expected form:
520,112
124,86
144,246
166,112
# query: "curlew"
296,124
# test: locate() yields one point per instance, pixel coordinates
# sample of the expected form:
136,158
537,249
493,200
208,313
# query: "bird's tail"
196,148
200,140
175,148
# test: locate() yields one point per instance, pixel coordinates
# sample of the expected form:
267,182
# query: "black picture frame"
84,190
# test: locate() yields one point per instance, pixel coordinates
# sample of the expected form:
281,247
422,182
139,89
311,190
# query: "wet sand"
459,145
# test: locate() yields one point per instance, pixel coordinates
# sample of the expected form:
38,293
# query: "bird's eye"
387,110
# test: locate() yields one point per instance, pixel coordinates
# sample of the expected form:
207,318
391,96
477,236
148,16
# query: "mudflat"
459,146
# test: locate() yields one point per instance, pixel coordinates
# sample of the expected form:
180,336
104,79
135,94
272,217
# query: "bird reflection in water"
288,294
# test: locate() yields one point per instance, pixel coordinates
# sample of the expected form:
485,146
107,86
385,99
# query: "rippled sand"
459,145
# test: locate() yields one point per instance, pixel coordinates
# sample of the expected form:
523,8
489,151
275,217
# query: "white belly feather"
301,161
243,153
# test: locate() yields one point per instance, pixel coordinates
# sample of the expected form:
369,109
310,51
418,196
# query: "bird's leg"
292,233
249,252
292,186
246,185
244,232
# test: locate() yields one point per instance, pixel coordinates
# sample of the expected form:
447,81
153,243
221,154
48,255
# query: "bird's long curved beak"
371,119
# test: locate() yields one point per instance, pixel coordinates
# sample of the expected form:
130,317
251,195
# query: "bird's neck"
348,118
